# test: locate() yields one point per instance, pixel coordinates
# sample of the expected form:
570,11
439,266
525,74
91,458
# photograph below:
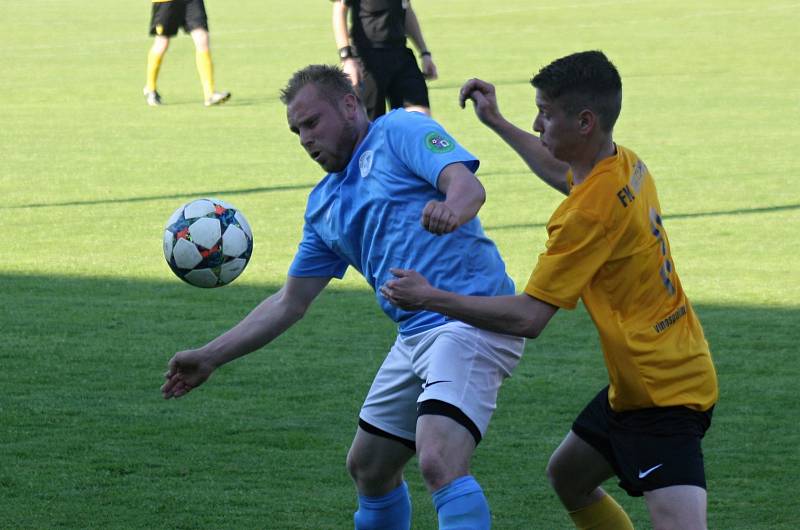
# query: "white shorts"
455,363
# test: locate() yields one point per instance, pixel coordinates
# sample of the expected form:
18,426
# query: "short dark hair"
332,82
583,80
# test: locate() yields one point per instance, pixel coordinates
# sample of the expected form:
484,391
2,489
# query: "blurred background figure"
375,56
167,16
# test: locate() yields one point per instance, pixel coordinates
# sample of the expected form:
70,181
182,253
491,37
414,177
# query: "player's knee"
362,468
201,39
435,469
355,464
555,473
160,45
371,475
433,472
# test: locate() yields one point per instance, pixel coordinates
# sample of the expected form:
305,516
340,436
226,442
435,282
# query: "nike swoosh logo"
426,385
643,474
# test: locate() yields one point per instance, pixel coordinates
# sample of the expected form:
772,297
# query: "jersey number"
665,271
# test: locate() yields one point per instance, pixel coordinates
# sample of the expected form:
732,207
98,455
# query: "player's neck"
582,167
362,128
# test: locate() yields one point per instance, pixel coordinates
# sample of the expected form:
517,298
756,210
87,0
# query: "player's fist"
408,290
438,218
352,67
484,100
429,70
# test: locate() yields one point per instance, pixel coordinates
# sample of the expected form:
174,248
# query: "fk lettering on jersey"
608,247
626,194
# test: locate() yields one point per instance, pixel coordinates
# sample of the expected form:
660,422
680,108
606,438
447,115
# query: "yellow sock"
605,514
153,66
206,71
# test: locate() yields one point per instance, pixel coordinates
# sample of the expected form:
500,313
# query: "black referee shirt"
377,23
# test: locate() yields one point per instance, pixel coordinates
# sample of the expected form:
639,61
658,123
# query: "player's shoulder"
611,175
410,125
406,118
598,196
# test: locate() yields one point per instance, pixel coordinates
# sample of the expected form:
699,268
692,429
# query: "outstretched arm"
527,146
464,196
521,315
414,32
190,368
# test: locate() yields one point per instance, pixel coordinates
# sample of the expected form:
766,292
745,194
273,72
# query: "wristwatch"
345,52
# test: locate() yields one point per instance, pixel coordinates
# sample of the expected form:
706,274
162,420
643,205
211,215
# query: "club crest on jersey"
437,142
365,163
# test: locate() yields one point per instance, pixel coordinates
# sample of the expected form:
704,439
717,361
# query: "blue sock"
387,512
462,506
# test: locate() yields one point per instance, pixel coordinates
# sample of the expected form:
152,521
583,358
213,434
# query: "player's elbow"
517,325
530,322
532,314
477,200
480,193
529,329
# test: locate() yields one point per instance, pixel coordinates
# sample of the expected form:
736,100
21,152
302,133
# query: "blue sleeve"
424,146
315,259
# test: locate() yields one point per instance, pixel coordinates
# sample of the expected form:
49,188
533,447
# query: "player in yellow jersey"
608,247
167,16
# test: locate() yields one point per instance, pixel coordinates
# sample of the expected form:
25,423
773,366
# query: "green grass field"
90,313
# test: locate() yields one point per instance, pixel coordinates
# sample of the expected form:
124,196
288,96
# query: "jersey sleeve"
424,146
315,259
576,249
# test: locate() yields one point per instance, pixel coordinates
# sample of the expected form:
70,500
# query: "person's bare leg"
576,470
154,59
376,464
677,508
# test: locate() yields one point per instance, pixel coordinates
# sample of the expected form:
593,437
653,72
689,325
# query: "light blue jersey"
368,216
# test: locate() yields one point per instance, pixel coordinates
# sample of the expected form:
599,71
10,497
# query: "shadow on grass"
186,196
84,426
716,213
189,196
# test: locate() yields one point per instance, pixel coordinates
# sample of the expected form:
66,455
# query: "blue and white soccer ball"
207,243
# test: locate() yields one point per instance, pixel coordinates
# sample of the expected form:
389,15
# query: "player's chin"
332,166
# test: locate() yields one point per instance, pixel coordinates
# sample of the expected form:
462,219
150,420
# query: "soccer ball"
207,243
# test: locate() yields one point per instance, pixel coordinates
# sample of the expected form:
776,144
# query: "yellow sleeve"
576,249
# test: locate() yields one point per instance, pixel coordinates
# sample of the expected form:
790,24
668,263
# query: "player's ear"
351,105
587,121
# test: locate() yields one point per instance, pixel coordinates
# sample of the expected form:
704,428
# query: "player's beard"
344,149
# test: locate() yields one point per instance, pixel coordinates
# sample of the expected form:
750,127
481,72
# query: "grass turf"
90,313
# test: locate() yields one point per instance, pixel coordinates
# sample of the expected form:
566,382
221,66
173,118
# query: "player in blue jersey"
399,192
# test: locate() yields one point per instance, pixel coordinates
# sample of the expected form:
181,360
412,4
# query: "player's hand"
429,68
408,290
352,67
438,218
484,100
187,370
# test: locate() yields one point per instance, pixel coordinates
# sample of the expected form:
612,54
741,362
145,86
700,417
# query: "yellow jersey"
607,245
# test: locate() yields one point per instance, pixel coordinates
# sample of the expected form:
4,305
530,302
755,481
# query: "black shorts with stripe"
647,448
170,15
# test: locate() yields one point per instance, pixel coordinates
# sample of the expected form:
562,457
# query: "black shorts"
168,16
391,74
648,448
